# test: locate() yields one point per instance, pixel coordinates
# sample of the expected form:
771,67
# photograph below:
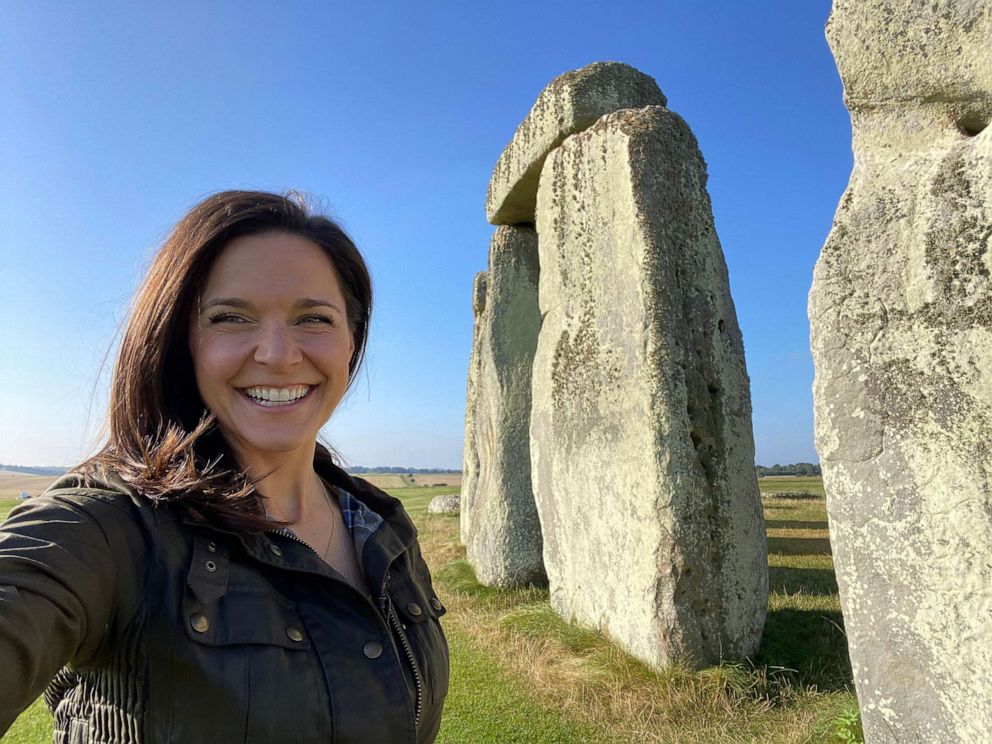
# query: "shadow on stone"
809,644
819,581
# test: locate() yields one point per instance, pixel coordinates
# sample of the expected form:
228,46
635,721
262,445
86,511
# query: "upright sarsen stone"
570,103
901,329
470,459
503,539
641,442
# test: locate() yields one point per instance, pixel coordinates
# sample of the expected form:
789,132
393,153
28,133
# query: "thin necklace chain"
334,520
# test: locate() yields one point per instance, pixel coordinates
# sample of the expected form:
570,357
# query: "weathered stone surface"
901,326
641,443
446,503
570,103
470,460
504,536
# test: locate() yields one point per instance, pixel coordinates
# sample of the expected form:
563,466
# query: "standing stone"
901,321
641,443
503,541
570,103
470,461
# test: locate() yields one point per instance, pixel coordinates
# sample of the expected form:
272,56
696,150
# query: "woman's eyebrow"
307,302
230,301
302,303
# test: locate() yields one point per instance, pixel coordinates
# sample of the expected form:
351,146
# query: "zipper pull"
383,599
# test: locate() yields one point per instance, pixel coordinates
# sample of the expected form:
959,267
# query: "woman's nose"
276,347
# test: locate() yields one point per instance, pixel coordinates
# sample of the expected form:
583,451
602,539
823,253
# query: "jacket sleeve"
64,577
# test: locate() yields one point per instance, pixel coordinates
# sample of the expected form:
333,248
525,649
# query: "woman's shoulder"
100,495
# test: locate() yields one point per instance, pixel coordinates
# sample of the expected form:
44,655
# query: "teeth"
274,396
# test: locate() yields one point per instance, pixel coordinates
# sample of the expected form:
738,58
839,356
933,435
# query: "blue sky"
116,117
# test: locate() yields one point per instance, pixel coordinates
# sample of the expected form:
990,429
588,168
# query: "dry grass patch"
793,691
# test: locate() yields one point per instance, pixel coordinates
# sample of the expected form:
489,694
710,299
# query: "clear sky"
116,117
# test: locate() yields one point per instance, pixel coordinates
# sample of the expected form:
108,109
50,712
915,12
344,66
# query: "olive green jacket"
145,625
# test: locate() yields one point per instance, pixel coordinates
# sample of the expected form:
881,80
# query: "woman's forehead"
272,265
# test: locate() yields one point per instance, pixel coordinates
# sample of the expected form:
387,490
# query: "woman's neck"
291,488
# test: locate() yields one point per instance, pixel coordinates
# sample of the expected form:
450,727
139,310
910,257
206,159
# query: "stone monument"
901,326
503,540
642,458
470,461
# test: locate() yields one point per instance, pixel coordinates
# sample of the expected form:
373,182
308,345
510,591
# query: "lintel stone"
570,103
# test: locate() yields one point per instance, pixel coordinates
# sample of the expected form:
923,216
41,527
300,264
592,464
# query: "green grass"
777,484
6,505
416,498
33,726
520,673
797,688
486,705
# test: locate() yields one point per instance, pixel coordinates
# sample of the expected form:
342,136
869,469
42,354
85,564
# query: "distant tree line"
800,468
360,470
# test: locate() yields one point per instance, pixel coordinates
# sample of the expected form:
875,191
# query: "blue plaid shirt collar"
360,520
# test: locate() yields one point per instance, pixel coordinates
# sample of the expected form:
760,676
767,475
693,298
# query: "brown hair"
162,439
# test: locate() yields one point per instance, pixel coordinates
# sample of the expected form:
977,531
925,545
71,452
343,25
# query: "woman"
211,575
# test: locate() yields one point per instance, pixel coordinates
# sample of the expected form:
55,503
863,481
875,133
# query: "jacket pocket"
248,668
245,617
420,609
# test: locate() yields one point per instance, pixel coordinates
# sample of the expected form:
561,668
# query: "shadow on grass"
799,546
786,580
809,645
787,524
459,576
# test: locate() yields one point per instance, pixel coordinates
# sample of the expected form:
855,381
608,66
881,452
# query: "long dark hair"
162,439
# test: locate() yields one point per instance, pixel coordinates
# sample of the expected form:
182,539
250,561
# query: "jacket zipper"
387,607
292,536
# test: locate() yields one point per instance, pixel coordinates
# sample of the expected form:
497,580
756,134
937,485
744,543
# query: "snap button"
199,622
210,566
435,603
414,609
295,634
275,549
212,546
373,649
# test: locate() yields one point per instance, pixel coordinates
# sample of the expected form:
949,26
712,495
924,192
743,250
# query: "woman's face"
271,345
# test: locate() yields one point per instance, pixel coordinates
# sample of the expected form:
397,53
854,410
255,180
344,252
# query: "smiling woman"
212,575
271,346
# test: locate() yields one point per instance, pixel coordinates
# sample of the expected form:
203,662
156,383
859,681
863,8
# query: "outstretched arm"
64,574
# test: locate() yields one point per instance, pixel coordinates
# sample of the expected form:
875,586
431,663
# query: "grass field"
12,485
521,674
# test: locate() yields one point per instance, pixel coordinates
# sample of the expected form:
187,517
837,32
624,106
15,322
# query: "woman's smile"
276,397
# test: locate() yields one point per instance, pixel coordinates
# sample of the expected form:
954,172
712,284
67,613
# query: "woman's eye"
226,318
317,319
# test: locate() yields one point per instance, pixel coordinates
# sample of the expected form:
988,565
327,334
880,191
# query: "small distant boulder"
448,503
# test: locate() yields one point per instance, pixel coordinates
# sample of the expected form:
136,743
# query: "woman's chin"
264,449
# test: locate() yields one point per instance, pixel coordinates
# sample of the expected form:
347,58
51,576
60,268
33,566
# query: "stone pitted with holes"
445,503
901,320
503,542
470,466
641,444
569,104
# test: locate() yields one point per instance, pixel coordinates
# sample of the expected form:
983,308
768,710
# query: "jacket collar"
395,535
